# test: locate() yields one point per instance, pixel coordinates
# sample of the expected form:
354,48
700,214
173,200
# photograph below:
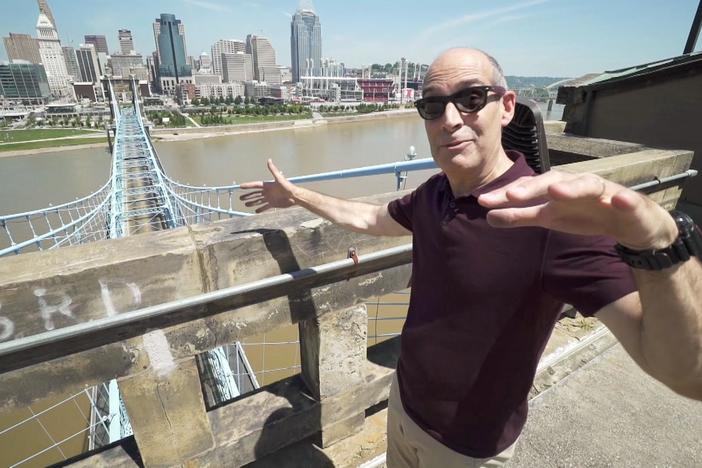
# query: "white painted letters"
47,311
7,327
106,295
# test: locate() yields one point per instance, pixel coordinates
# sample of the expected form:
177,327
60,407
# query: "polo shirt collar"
520,168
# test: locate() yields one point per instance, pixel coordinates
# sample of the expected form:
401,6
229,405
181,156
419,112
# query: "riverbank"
52,149
191,133
196,133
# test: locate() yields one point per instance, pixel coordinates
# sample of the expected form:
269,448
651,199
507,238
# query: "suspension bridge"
140,197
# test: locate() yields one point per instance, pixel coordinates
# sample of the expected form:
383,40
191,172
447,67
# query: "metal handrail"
52,208
67,340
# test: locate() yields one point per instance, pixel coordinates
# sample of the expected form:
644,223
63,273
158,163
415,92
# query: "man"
485,298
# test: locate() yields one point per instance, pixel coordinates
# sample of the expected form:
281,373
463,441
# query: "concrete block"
340,430
333,350
167,412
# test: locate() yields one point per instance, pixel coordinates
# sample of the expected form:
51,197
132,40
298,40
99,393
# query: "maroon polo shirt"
484,302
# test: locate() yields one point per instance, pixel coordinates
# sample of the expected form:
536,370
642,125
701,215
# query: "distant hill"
521,82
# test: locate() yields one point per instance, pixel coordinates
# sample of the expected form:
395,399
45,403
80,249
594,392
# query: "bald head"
457,56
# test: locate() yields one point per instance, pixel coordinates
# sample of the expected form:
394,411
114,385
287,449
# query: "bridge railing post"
166,409
333,351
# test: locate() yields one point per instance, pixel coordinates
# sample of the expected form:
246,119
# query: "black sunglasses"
469,100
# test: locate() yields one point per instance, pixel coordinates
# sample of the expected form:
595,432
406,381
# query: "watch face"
686,225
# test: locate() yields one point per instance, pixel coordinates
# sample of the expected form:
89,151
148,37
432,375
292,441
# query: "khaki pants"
410,446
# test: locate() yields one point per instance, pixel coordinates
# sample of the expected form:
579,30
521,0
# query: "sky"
559,38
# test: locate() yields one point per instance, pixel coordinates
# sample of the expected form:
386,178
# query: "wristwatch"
687,245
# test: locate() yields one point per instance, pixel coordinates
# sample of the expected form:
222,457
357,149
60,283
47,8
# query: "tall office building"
125,65
305,42
22,47
69,55
181,33
126,42
44,8
88,63
237,67
262,53
99,41
169,34
22,81
52,57
205,62
229,46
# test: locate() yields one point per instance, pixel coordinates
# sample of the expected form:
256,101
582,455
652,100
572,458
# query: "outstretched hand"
581,204
269,194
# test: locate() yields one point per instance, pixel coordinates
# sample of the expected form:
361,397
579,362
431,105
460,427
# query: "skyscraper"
229,46
22,47
23,82
169,34
181,33
237,67
262,53
305,42
69,55
52,56
126,42
205,63
88,63
44,8
99,41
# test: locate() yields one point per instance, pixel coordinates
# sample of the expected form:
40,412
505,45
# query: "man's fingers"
250,195
255,202
277,174
517,217
263,208
523,192
588,186
252,185
627,200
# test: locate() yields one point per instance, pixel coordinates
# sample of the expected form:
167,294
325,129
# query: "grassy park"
23,146
16,136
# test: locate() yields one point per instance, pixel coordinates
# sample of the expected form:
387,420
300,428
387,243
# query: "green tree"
237,100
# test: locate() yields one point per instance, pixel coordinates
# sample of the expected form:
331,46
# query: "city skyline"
529,37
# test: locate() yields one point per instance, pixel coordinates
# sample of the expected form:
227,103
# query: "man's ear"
509,104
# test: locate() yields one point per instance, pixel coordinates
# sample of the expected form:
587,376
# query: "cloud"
505,19
473,17
212,6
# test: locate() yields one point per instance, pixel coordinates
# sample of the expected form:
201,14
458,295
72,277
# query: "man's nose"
452,118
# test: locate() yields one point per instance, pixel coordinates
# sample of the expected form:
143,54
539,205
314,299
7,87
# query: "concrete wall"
661,112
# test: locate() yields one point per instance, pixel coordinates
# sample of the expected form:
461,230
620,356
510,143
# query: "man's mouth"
456,144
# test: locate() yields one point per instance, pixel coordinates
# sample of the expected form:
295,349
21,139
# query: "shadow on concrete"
303,408
386,353
273,438
118,453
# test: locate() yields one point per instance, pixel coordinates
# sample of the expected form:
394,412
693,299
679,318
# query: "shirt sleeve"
585,271
402,210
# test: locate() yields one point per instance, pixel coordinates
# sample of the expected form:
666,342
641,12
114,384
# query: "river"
32,182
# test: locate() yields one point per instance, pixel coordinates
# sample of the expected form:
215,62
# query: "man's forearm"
671,325
354,215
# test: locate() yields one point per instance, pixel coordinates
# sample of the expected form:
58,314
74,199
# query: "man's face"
458,140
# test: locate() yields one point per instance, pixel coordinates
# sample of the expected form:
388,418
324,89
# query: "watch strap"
688,244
